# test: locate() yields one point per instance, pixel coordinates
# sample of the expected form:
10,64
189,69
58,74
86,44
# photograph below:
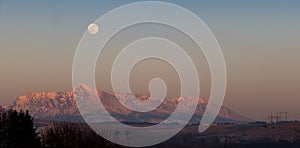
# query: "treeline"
17,131
71,135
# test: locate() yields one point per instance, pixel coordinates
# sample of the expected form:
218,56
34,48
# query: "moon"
93,29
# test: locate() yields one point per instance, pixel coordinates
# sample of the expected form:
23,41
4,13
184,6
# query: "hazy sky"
260,42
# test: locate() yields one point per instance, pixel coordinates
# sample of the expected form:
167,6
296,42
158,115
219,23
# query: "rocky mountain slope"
61,106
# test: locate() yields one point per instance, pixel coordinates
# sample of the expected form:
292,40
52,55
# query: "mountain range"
61,106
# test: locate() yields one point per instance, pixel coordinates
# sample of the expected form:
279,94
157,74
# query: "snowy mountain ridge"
61,106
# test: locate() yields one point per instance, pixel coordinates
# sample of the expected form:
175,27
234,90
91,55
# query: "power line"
278,117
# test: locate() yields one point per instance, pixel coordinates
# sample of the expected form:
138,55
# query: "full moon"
93,29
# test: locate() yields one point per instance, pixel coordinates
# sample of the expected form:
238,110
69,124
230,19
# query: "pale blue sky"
260,41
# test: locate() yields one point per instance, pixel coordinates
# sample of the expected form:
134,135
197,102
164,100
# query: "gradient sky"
260,42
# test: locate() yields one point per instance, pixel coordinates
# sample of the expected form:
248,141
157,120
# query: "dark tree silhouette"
16,130
72,135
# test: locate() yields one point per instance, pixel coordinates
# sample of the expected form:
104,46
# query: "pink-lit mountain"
61,106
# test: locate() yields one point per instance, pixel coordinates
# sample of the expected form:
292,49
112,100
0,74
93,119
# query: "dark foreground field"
222,135
19,130
245,135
